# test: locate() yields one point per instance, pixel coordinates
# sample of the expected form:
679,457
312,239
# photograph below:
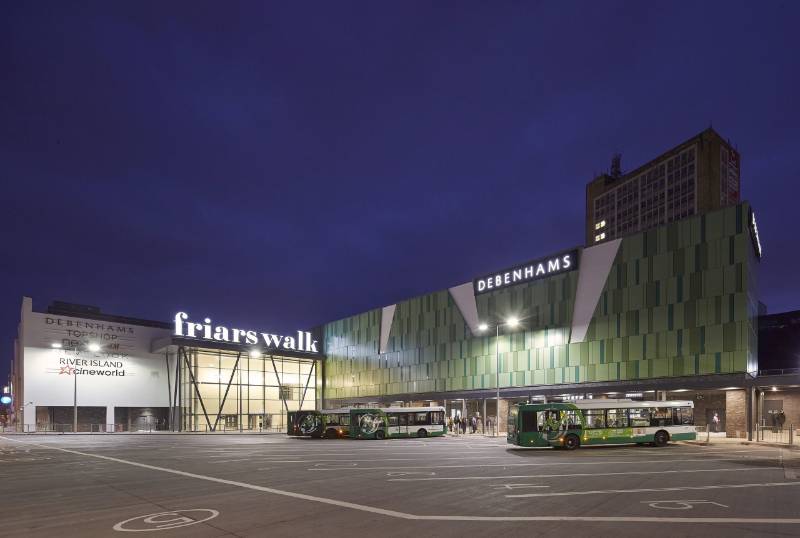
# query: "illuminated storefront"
671,312
223,390
77,369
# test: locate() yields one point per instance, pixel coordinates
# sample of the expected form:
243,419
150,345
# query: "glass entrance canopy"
224,390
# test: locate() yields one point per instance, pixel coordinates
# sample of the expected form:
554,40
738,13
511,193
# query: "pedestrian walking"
715,422
474,424
780,418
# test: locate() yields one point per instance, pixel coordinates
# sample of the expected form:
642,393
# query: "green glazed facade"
678,300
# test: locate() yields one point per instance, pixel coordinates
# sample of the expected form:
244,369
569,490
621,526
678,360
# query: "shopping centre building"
125,374
667,308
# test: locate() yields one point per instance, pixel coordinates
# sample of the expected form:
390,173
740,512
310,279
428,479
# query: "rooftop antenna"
616,165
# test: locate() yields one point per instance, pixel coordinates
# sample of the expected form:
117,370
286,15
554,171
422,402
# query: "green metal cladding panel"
679,300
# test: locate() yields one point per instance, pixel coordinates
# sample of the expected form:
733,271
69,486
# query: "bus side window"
661,416
552,420
528,421
683,416
594,418
573,420
392,420
403,419
617,418
640,418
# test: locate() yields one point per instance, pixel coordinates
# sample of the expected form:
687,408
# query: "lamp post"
510,322
94,348
74,402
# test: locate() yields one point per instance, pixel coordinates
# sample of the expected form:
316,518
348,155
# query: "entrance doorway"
229,422
771,409
256,422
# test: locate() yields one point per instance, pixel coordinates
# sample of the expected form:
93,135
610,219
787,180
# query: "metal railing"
776,434
222,428
703,433
147,427
47,427
105,428
780,371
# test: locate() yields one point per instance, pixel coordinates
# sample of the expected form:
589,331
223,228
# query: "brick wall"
791,404
705,403
736,413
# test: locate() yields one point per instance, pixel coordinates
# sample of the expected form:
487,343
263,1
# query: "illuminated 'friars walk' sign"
187,329
527,272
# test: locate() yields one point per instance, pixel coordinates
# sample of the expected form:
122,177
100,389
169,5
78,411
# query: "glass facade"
225,390
678,300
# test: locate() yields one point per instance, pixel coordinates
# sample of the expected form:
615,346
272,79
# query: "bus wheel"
330,434
422,433
379,435
660,438
571,442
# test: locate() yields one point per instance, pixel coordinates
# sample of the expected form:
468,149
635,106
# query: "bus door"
549,424
402,424
394,423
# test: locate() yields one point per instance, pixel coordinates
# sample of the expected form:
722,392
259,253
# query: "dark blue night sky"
276,167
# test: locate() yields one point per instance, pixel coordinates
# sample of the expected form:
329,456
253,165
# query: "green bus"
390,422
600,422
328,423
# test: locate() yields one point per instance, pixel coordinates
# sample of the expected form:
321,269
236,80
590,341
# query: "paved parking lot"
270,485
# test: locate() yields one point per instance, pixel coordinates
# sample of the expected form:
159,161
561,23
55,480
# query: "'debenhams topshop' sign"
304,342
534,270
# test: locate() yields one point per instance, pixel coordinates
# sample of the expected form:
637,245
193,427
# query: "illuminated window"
600,224
599,237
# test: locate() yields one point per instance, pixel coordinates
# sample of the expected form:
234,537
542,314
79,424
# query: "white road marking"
457,458
163,521
404,515
642,490
548,464
729,469
681,504
515,486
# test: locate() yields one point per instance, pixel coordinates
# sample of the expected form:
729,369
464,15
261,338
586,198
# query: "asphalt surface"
271,485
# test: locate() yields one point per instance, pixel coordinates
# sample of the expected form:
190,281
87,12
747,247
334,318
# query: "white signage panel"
109,363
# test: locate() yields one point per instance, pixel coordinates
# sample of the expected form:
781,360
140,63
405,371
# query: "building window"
599,237
286,393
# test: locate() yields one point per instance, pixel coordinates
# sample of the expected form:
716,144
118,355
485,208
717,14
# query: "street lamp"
511,322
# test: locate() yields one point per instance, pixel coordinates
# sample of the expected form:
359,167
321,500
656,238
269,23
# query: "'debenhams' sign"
188,329
534,270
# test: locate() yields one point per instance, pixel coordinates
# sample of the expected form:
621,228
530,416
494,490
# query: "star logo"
66,370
